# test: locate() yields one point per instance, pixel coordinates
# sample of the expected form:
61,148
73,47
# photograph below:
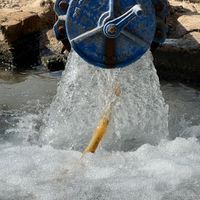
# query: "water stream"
143,155
139,114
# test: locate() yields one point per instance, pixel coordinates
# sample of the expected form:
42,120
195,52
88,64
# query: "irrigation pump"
111,33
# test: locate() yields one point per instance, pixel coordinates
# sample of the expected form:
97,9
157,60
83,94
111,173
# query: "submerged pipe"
98,134
101,129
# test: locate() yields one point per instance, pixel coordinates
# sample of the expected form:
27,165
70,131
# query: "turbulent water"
139,159
139,114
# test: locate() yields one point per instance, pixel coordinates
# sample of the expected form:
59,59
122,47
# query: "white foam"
170,171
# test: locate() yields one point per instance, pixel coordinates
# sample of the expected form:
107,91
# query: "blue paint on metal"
161,8
91,26
114,27
88,39
57,8
58,34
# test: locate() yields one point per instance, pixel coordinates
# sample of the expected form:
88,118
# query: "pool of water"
41,144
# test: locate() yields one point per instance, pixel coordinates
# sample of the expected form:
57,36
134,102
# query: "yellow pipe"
98,134
100,131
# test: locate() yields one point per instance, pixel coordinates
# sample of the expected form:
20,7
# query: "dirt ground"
18,4
193,5
22,4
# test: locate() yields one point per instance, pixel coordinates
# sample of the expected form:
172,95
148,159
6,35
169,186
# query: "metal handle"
113,28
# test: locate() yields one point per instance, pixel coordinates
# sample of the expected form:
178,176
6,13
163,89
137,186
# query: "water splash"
139,114
167,171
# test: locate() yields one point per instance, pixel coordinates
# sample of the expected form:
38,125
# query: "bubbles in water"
169,171
139,113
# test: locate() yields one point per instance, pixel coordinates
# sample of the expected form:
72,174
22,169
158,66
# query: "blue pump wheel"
110,33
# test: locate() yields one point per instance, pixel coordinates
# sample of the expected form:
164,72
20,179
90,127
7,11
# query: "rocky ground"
27,39
179,57
26,33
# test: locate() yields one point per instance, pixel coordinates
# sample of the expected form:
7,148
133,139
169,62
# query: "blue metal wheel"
110,33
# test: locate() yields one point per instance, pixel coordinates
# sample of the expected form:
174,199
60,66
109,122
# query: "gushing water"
139,113
169,170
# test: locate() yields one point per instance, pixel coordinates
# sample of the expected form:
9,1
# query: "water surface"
46,120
